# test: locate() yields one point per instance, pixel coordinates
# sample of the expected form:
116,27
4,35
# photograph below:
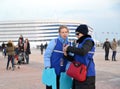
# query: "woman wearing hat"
83,53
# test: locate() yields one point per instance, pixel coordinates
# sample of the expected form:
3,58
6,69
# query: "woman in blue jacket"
83,53
54,56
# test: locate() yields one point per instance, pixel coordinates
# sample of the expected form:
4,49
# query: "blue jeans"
114,56
10,58
27,58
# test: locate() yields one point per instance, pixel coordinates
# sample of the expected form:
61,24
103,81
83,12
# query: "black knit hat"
82,29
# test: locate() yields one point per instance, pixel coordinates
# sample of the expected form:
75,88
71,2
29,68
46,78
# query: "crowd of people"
16,54
60,53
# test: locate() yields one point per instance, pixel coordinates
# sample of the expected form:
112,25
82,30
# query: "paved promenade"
29,75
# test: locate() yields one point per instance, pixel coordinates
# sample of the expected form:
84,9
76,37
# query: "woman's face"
79,35
20,40
26,40
64,33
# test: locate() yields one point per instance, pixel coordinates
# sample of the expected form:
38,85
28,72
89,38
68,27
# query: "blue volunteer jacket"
87,58
54,54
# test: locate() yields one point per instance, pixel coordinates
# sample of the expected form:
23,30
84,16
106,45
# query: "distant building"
36,31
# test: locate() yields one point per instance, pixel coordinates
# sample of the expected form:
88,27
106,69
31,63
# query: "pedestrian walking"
107,47
10,52
114,49
45,46
41,48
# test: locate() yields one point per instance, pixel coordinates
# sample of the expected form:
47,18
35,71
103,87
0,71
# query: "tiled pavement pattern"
29,75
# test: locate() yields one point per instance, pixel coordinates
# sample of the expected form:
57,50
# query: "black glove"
69,58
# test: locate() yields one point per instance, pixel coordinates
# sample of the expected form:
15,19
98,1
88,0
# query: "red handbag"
78,71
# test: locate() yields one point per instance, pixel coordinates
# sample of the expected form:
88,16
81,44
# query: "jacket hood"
9,45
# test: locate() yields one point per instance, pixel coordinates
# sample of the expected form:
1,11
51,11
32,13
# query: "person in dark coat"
45,46
83,53
107,47
27,50
4,49
21,52
41,48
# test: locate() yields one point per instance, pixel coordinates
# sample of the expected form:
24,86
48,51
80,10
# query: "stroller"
21,58
16,61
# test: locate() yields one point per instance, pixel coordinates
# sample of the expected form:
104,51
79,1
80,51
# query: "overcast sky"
102,15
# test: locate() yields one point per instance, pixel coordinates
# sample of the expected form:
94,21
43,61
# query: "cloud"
77,9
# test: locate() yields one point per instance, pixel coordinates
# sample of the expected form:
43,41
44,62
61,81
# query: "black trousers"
57,83
88,84
106,54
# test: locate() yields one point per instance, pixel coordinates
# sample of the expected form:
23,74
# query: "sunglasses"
77,34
